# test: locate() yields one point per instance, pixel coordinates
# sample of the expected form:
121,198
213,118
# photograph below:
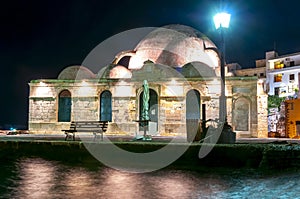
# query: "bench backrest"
89,125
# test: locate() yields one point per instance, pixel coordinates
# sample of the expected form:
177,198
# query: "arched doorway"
153,106
192,113
64,106
241,115
105,106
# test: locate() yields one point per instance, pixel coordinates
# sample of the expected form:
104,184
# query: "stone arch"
64,106
241,114
106,106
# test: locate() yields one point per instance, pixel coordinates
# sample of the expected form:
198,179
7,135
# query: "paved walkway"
267,140
61,137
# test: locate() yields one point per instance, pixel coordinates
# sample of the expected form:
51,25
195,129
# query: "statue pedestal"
227,136
145,124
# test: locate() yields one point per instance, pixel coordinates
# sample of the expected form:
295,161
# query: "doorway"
192,113
64,106
153,107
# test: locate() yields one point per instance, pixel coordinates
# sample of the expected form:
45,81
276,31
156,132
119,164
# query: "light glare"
222,20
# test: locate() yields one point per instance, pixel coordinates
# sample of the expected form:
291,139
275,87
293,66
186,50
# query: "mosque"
182,68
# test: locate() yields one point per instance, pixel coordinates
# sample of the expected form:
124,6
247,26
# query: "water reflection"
39,178
36,178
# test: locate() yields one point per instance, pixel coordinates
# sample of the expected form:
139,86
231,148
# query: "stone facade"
246,104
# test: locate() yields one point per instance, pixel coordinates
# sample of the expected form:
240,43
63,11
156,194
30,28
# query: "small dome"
76,72
119,72
155,72
197,69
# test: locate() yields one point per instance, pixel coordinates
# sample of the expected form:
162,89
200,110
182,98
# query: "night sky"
40,38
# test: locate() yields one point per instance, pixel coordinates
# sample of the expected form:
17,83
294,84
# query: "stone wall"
42,109
262,110
248,104
124,115
172,116
260,157
172,107
262,119
85,108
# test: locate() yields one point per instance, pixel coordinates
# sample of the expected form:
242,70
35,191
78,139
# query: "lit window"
278,65
278,78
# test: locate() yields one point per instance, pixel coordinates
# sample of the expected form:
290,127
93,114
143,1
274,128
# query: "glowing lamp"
222,20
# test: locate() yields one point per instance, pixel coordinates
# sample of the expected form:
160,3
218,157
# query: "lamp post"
221,21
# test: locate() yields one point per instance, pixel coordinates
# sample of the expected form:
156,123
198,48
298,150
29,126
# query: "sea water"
34,177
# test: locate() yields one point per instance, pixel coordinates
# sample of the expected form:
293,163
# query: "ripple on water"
40,178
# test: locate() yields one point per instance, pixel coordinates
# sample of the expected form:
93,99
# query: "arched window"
64,106
105,106
124,61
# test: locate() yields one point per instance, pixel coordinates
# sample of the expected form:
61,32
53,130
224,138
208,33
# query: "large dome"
169,34
175,46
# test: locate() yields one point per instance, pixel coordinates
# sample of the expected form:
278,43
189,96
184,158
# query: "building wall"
284,66
42,107
43,103
286,87
292,119
247,103
259,72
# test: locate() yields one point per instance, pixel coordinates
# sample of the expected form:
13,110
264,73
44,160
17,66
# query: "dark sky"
40,38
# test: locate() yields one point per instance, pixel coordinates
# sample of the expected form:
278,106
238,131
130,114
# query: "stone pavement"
61,137
267,140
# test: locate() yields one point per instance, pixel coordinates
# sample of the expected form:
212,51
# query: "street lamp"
221,21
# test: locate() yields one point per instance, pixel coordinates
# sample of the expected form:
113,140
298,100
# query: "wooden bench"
86,126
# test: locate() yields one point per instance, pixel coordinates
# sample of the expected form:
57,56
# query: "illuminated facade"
182,69
292,119
283,74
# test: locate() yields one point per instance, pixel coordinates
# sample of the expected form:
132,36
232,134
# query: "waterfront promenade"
61,137
265,153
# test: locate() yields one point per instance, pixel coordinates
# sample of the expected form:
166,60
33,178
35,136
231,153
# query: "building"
292,119
182,68
259,71
283,74
282,79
